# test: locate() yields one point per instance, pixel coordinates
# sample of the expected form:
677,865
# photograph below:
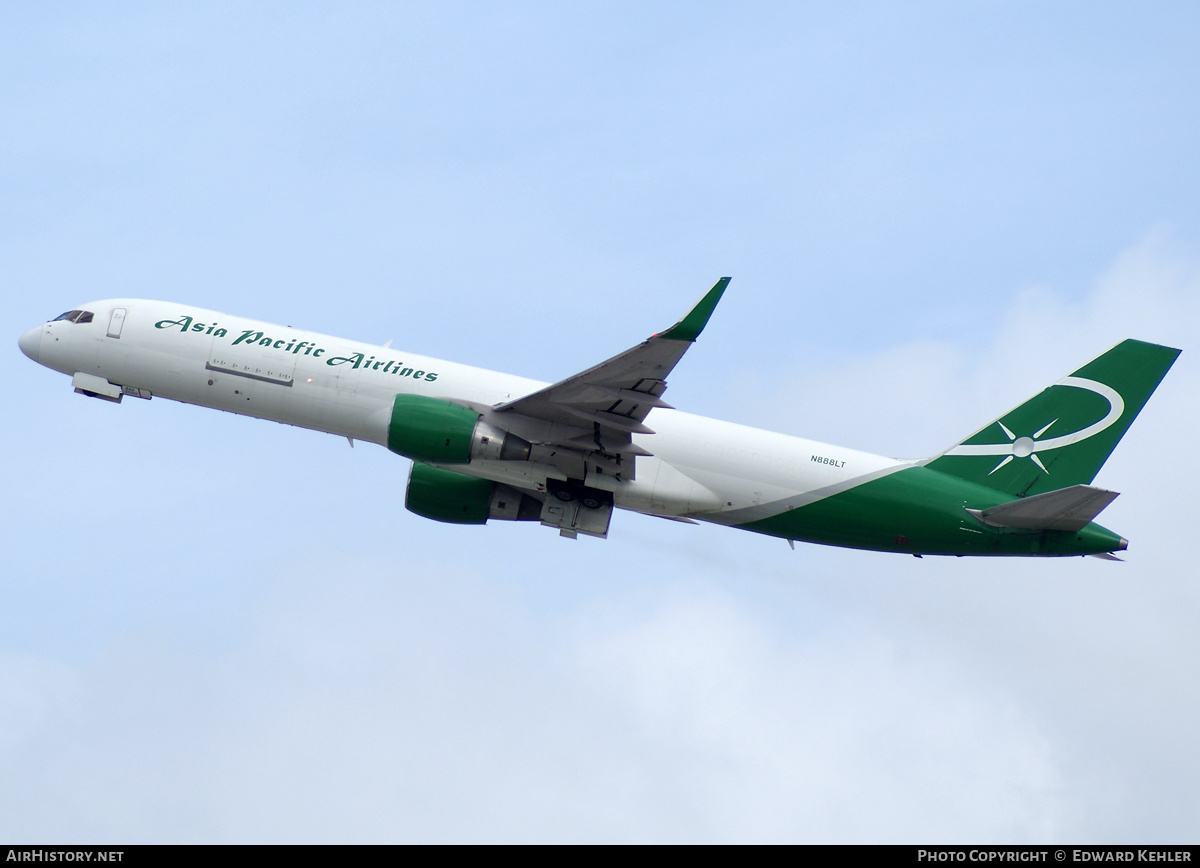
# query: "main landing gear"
574,509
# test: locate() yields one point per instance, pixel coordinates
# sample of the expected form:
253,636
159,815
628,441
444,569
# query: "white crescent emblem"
1030,446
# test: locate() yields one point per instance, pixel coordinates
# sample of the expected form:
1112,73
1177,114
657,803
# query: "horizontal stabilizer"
1068,509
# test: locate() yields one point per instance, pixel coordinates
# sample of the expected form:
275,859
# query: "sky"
220,629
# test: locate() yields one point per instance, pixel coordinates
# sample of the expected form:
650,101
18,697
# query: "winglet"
689,328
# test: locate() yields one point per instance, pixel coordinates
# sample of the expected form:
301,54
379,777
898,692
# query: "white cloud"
1101,660
387,706
915,397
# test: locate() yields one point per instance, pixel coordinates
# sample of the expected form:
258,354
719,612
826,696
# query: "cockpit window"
74,316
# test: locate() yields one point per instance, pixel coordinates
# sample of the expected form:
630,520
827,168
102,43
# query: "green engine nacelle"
441,432
428,429
444,495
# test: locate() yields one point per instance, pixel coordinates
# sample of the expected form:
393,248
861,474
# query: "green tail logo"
1063,435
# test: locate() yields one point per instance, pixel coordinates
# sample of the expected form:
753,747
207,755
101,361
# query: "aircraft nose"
31,343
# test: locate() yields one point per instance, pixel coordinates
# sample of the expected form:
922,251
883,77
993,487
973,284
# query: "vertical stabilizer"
1063,435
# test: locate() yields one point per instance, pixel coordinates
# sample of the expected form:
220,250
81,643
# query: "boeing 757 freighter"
486,445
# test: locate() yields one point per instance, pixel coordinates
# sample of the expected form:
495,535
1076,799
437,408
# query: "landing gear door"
574,509
115,322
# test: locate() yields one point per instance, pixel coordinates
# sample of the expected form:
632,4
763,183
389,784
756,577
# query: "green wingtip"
689,328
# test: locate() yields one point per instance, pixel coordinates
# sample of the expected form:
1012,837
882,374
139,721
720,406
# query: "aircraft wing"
614,397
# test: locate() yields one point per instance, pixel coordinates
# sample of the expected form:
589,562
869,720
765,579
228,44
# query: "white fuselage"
701,468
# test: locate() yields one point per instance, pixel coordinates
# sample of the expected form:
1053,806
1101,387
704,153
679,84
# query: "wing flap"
608,420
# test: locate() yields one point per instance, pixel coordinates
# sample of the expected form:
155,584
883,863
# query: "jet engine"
442,432
444,495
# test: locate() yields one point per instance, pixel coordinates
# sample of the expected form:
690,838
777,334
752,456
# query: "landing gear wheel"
591,501
565,495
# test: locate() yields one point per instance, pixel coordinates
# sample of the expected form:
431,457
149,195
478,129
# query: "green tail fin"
1064,434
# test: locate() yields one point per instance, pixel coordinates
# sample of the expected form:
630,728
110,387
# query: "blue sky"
220,629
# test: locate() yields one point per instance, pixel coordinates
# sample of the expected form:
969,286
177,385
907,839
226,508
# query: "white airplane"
487,445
